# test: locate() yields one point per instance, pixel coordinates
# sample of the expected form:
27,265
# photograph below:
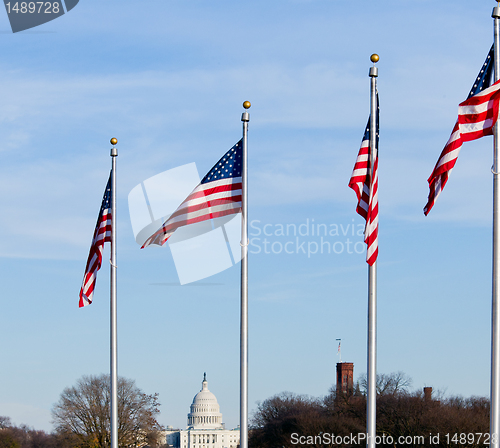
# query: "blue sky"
167,78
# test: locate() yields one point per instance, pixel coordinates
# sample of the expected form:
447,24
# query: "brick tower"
345,382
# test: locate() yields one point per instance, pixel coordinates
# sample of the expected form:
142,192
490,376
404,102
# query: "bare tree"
387,383
280,416
7,440
5,422
405,419
84,411
280,419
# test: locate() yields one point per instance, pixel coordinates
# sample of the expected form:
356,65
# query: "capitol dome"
205,411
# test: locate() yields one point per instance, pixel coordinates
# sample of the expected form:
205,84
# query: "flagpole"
245,118
113,314
371,408
495,312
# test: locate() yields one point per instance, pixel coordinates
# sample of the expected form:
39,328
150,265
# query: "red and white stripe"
367,193
102,234
444,165
359,177
371,228
207,201
478,114
476,118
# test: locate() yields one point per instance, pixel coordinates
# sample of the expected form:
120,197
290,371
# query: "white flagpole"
113,344
371,408
495,312
245,118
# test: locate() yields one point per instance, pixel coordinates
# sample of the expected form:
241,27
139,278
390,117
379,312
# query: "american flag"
218,194
478,114
102,234
472,123
366,189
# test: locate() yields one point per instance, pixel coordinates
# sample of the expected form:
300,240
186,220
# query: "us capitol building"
205,428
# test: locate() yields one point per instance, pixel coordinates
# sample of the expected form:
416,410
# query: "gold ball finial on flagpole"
114,151
247,104
374,58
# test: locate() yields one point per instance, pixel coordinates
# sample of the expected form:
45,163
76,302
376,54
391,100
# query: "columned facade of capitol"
205,428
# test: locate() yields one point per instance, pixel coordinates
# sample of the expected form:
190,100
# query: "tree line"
81,418
404,418
26,437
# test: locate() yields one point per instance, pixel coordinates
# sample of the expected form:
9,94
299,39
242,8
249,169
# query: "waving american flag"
476,118
102,234
218,194
364,181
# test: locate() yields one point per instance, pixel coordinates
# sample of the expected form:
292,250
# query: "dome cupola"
205,411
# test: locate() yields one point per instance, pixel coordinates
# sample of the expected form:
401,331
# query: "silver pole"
114,345
371,408
245,118
495,315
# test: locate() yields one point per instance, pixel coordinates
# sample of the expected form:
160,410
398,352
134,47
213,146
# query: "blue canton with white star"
366,136
484,78
230,165
106,200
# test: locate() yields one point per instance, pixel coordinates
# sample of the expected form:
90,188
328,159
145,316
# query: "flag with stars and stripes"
218,194
476,118
102,234
364,182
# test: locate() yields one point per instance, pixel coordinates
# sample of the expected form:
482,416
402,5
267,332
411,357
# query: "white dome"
205,411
